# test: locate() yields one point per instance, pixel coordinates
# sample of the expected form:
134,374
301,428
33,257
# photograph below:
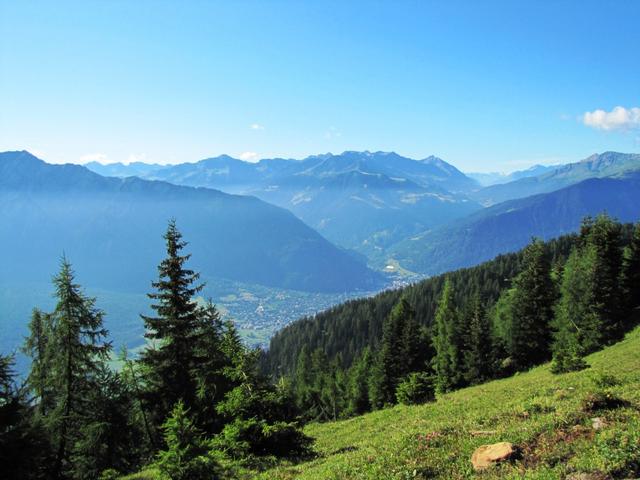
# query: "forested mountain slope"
346,329
606,164
510,225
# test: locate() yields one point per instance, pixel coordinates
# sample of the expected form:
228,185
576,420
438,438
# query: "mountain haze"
496,178
509,226
111,229
360,200
606,164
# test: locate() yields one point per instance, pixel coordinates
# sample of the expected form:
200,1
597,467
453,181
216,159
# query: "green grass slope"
549,417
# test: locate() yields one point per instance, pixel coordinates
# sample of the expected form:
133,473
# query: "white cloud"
256,126
332,132
619,118
94,157
249,156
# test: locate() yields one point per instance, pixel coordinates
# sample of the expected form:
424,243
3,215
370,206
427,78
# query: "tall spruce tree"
532,309
171,360
76,355
604,235
478,345
36,347
358,393
576,326
303,379
211,361
399,353
446,342
631,272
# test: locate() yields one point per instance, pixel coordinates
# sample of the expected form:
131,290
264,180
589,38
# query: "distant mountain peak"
18,155
432,159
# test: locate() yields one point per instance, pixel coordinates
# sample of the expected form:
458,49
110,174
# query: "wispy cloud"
620,118
249,156
94,157
332,132
256,126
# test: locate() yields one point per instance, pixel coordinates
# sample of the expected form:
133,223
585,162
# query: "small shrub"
604,380
188,456
567,364
537,405
417,388
246,437
110,474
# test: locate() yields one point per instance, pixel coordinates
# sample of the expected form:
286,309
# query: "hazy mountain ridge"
359,200
508,226
596,166
496,178
111,229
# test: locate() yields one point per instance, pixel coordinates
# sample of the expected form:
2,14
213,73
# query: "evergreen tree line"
193,403
345,330
557,307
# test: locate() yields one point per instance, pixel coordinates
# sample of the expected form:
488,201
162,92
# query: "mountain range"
510,225
606,164
111,230
496,178
363,201
425,215
308,225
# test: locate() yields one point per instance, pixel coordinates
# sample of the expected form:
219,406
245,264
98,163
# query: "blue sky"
484,85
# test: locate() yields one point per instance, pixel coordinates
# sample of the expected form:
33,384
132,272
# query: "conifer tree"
241,364
604,235
76,355
211,361
257,415
24,450
303,379
334,389
36,347
532,309
399,353
631,271
375,382
415,389
187,455
576,326
446,342
111,438
358,384
478,351
175,332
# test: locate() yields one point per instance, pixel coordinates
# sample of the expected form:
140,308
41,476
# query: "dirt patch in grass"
602,401
551,448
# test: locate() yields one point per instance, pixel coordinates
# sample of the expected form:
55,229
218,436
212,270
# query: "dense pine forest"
198,404
558,300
